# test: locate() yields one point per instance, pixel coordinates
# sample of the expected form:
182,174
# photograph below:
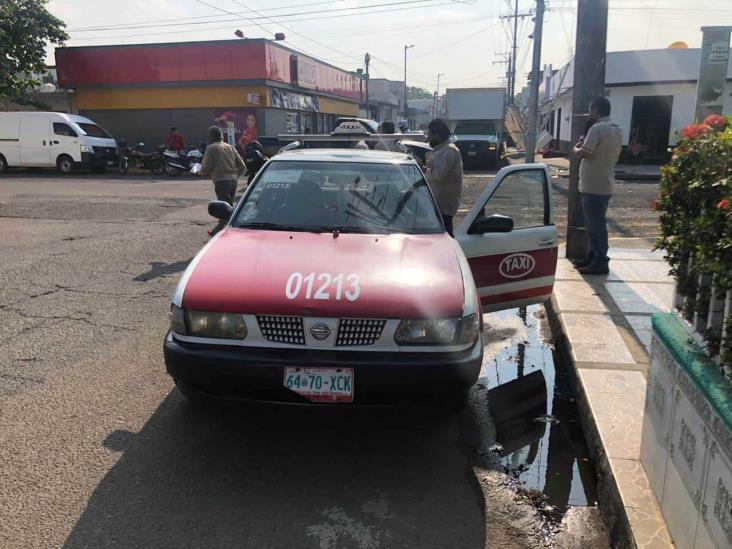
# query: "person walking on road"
223,164
444,171
599,152
175,141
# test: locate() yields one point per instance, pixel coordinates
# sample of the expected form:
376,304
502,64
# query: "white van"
48,139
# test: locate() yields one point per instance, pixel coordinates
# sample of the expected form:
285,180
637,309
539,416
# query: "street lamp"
406,117
279,36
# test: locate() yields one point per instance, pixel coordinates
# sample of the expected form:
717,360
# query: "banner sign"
294,101
712,71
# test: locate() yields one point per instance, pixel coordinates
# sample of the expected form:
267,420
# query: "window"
92,130
522,197
350,196
59,128
475,128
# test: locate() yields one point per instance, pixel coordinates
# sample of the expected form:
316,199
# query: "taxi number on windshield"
327,286
321,384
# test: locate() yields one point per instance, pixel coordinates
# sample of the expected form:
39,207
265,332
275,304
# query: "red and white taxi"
335,281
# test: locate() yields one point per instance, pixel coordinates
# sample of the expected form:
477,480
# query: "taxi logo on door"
516,265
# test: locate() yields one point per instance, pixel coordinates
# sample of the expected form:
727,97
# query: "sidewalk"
625,172
605,327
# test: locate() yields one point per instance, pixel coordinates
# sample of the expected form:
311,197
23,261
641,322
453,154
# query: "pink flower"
724,204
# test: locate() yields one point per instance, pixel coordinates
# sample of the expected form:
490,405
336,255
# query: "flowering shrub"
695,203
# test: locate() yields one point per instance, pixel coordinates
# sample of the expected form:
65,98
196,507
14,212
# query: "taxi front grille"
282,329
359,331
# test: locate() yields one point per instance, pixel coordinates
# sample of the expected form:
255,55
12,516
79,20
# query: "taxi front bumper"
258,373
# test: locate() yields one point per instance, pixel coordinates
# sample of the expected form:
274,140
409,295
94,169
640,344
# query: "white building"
386,98
652,94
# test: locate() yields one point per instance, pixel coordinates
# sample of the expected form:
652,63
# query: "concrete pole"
367,60
534,91
588,84
512,67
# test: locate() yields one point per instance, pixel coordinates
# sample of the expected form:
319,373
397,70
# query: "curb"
610,501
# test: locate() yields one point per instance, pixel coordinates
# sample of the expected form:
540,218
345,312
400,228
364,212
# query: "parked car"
335,282
48,139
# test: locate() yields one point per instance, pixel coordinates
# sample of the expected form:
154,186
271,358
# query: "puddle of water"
538,433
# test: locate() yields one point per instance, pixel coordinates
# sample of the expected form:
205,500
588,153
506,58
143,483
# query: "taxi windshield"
344,196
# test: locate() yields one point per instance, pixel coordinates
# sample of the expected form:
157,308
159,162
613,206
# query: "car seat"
304,204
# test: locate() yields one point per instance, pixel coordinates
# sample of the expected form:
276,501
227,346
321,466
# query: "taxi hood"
383,276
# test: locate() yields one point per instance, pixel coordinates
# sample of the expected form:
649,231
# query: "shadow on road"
229,475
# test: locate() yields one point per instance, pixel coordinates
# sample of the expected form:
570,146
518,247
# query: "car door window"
59,128
522,197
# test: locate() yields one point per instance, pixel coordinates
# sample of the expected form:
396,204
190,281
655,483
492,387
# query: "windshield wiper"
272,226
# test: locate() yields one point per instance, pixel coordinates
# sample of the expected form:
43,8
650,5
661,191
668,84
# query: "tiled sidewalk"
606,321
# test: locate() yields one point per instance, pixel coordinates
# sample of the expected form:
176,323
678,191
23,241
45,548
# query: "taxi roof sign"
351,127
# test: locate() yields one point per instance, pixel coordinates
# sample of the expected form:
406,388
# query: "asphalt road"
98,449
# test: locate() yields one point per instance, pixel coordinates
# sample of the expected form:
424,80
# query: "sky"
466,40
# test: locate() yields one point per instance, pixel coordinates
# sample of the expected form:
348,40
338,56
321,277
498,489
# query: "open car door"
510,239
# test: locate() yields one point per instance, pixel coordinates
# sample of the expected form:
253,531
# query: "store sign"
307,73
712,71
294,101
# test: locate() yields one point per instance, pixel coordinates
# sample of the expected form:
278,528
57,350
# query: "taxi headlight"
446,331
87,149
217,325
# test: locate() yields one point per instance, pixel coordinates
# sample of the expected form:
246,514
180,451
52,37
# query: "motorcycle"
176,162
135,157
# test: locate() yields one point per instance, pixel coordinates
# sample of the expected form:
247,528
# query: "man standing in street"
387,128
599,152
174,141
224,165
444,171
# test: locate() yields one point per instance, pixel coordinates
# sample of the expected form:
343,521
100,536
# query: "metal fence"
707,308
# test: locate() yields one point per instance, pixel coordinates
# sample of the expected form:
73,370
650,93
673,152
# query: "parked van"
48,139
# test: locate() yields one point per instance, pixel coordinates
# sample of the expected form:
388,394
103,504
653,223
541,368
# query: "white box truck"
476,121
53,139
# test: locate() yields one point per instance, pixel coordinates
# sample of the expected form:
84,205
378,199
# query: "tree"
25,29
413,92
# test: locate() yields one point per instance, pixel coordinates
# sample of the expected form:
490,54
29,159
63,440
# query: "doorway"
650,124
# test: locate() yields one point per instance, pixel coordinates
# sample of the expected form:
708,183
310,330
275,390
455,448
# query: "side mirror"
496,223
220,210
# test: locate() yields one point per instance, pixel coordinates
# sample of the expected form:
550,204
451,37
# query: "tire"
171,171
3,164
124,165
157,168
65,164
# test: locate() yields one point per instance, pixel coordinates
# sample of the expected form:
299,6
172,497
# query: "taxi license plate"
321,384
472,153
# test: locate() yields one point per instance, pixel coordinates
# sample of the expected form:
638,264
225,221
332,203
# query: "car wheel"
124,165
3,164
65,164
190,392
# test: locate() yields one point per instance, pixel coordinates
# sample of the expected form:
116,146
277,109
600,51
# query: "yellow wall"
168,98
334,106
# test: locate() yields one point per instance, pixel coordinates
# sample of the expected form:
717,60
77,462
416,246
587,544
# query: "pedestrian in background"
444,171
599,152
388,128
223,164
175,141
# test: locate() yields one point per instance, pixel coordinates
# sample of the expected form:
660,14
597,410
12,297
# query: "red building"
249,87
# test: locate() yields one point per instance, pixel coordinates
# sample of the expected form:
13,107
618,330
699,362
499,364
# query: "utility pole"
534,91
437,96
512,58
406,117
588,84
367,60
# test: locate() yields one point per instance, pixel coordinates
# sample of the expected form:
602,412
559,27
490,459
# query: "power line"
243,15
197,17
